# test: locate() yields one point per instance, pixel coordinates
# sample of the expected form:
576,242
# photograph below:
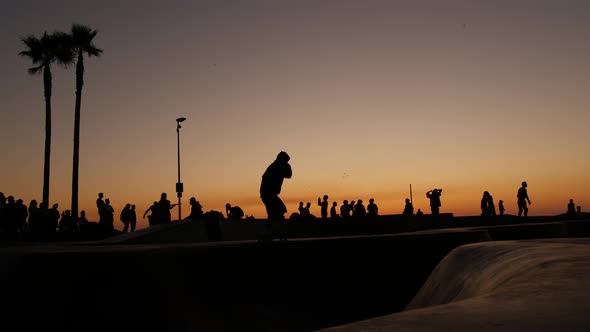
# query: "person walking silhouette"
125,217
153,216
523,198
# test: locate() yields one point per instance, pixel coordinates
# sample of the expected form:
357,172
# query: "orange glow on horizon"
366,97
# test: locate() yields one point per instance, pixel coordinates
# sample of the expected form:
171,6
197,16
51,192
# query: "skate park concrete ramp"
531,285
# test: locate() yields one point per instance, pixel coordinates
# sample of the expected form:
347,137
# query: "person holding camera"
163,210
434,196
270,188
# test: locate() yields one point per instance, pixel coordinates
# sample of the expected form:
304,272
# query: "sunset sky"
367,97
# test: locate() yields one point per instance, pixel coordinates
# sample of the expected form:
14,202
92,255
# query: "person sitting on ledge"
333,213
196,209
233,212
372,208
408,208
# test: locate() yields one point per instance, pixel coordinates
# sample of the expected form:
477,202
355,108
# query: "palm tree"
43,52
80,43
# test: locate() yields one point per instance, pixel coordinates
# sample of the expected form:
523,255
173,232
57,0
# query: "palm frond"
50,48
61,45
81,32
82,37
35,70
31,41
92,50
28,53
34,49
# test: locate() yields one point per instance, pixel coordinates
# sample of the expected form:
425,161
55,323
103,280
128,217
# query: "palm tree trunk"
75,167
47,85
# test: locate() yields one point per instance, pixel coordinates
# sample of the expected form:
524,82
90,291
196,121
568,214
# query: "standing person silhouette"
523,198
306,213
359,211
100,205
571,210
164,208
484,204
22,215
124,217
132,217
53,216
434,196
323,207
109,214
490,204
345,209
270,188
488,208
300,208
153,217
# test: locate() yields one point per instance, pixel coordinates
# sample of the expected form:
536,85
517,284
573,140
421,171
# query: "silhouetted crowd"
348,210
38,221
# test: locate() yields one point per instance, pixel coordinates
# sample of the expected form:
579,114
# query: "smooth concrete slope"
295,285
532,285
185,231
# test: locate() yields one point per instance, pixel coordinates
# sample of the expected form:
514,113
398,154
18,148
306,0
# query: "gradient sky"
366,96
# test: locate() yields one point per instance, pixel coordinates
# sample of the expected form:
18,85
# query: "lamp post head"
180,119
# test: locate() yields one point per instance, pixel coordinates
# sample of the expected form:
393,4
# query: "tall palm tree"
80,43
43,52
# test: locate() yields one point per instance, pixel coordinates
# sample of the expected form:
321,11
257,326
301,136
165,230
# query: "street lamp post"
179,187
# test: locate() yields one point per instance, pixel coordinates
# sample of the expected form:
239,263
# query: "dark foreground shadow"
295,285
